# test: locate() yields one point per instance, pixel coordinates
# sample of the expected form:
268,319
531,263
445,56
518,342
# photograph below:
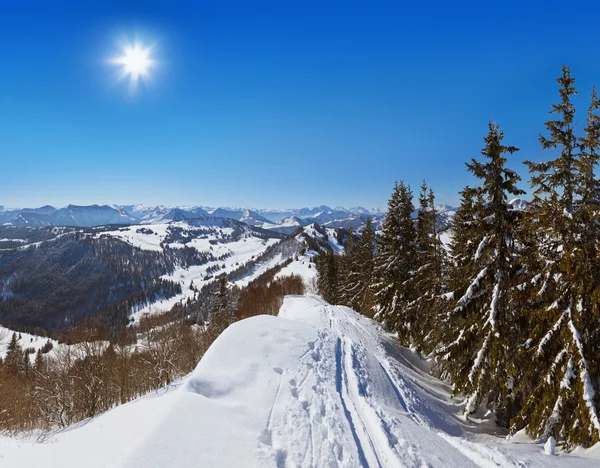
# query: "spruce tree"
481,318
365,253
39,361
356,270
327,281
14,354
395,262
428,281
349,272
564,291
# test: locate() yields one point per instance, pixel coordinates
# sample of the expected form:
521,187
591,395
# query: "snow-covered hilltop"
319,385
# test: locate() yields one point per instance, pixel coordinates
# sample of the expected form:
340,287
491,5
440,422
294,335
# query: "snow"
319,385
550,445
446,239
494,304
464,300
134,236
240,252
337,247
27,340
310,231
200,235
481,247
479,360
554,328
305,269
588,388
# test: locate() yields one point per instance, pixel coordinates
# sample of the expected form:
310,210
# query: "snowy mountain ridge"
97,215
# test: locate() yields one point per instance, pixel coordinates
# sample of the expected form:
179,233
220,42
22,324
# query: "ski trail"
379,424
341,389
375,428
353,400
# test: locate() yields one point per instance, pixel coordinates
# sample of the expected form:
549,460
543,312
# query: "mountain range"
280,220
284,221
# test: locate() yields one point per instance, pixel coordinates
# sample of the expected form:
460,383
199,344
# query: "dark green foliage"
328,285
562,296
395,263
428,281
14,355
481,319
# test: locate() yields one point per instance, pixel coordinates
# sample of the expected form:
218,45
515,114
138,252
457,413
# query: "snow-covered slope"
317,386
25,340
232,244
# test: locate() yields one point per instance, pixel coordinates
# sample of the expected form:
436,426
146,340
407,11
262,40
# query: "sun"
136,63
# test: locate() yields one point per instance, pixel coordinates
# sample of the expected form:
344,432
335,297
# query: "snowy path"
318,386
373,407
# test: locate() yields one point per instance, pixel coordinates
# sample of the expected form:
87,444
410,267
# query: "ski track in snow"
318,386
385,413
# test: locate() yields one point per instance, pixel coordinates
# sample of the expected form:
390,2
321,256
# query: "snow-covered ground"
305,269
317,386
200,235
26,340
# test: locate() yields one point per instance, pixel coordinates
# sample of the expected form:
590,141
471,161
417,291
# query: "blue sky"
276,104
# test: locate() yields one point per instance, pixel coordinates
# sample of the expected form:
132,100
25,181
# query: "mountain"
275,215
178,214
518,204
253,218
283,221
71,215
111,272
359,210
145,214
92,215
46,210
227,213
312,212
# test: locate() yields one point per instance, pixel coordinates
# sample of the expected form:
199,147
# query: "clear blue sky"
282,103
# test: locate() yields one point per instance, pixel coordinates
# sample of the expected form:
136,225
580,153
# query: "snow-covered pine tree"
564,299
478,356
356,270
394,263
327,281
460,267
349,272
427,280
365,253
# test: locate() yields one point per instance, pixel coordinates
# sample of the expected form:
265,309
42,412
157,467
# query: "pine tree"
394,263
365,253
356,270
39,361
14,354
480,320
349,272
428,281
564,291
327,281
